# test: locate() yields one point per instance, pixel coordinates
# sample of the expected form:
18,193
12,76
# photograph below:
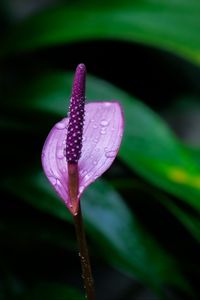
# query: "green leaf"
191,222
195,153
109,222
50,291
148,147
123,241
171,25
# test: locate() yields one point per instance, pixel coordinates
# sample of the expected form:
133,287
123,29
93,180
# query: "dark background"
36,262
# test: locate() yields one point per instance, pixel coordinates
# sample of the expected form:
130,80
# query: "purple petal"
102,135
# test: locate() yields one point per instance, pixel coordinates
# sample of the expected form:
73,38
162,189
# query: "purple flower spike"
102,134
76,116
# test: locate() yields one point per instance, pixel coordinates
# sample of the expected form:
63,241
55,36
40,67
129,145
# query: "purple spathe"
102,135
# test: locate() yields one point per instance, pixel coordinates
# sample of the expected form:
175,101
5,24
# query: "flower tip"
81,67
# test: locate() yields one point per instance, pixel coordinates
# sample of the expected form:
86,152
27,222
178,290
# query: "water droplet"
94,162
110,154
60,154
52,180
92,120
87,176
81,188
94,126
58,182
103,131
95,140
61,125
104,123
107,104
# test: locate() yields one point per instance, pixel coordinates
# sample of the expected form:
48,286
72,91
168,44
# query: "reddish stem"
84,256
73,186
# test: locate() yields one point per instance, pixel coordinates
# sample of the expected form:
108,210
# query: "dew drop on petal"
87,176
60,154
58,182
104,123
52,180
103,131
110,154
95,140
107,104
60,125
94,126
81,188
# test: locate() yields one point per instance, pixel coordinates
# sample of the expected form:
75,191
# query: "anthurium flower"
82,146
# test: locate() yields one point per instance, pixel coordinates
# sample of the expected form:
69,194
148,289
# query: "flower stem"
84,256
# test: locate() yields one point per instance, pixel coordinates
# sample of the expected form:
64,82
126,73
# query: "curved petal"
102,135
103,130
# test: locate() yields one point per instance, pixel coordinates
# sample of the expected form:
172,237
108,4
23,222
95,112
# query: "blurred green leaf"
149,147
50,291
195,153
120,238
189,220
171,25
123,241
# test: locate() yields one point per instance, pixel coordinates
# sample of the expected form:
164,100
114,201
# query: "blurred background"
142,216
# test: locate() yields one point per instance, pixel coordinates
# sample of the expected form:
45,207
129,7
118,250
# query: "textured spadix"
102,134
